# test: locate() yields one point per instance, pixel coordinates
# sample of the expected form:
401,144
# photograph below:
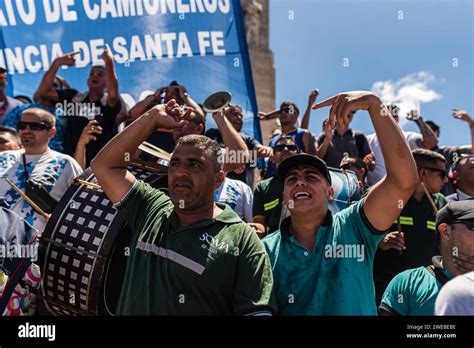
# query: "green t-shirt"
335,278
211,267
267,198
412,292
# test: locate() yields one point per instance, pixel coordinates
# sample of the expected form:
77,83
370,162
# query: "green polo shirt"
418,222
267,198
335,278
413,292
211,267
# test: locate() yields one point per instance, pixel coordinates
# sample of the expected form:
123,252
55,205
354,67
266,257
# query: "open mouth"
182,185
302,195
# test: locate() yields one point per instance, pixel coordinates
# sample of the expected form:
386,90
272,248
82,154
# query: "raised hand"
462,115
344,103
90,132
393,240
171,116
107,55
413,115
67,59
312,97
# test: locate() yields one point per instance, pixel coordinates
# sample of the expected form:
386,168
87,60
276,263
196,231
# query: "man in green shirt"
268,193
322,263
416,242
414,292
189,255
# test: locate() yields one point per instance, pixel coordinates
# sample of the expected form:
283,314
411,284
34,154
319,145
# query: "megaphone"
217,102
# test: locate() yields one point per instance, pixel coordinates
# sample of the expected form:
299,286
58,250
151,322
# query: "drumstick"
399,229
26,198
429,198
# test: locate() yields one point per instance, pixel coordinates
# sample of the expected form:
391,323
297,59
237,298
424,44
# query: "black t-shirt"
251,143
76,122
418,222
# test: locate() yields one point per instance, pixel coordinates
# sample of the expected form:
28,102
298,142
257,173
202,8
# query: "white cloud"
407,93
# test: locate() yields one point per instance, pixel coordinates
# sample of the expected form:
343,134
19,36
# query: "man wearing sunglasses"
463,176
415,291
413,242
53,170
268,193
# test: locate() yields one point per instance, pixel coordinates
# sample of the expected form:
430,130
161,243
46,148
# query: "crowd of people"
229,237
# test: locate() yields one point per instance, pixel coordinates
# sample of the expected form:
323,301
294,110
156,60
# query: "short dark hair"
204,143
425,157
434,127
198,119
12,132
288,104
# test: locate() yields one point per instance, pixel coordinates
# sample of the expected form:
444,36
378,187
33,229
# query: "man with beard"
322,263
80,108
415,291
189,255
53,170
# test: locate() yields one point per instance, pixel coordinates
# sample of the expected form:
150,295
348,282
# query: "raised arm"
232,140
463,115
45,89
430,140
110,164
190,101
386,199
323,145
111,80
142,106
312,98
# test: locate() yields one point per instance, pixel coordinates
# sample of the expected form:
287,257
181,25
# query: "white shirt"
12,103
238,195
373,176
456,296
54,170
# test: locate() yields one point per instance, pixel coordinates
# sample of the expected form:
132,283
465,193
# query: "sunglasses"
441,172
34,126
288,110
281,147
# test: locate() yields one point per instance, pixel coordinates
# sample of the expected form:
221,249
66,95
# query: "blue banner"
199,43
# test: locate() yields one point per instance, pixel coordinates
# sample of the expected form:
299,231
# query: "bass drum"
83,250
346,189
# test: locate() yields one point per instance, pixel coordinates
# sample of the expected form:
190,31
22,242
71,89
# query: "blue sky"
407,51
